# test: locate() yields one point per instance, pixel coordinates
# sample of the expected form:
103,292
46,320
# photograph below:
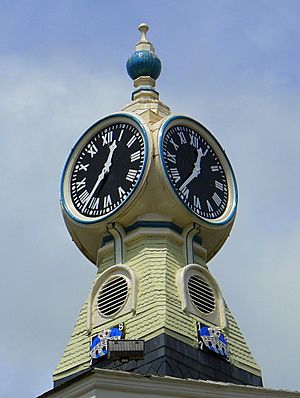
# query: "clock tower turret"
150,197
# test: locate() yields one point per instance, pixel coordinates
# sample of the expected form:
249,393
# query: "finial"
144,43
143,62
143,28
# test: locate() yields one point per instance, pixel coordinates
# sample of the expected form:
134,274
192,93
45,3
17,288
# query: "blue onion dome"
143,63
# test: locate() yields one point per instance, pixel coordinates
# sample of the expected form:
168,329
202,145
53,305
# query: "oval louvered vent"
201,294
112,295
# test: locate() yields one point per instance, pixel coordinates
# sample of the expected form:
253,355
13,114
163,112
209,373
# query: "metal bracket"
188,234
118,233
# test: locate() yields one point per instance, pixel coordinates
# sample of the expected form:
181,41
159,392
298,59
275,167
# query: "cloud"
257,123
44,109
233,77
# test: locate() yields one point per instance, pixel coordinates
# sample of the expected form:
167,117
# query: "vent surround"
201,294
112,296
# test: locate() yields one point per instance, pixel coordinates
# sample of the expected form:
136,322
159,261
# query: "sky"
232,65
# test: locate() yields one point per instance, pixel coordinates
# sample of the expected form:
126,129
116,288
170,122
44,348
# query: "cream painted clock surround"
154,199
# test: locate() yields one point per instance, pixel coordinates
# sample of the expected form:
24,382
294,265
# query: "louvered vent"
201,294
112,295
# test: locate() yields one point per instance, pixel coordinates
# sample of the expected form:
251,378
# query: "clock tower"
149,197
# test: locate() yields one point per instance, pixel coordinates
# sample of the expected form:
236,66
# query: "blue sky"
232,65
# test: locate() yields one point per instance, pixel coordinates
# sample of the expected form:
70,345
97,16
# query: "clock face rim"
232,201
65,195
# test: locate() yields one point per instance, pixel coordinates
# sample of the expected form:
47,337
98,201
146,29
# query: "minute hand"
197,168
104,171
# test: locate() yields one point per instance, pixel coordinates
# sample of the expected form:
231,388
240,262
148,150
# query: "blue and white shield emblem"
98,347
214,340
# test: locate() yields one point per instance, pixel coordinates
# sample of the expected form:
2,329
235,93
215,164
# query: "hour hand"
197,164
196,170
108,163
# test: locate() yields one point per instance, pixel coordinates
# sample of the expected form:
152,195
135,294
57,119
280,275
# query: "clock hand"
99,179
104,171
196,170
197,164
108,163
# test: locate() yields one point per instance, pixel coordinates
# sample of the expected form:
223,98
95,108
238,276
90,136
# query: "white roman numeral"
185,192
92,150
107,137
131,175
176,146
203,153
209,206
81,184
131,141
219,185
216,198
171,158
84,196
83,167
175,174
135,156
197,202
121,192
121,134
214,168
182,137
94,203
107,201
194,141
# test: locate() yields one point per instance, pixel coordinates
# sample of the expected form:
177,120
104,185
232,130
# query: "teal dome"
143,63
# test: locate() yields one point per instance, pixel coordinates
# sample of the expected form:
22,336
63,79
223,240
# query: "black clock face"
195,171
107,169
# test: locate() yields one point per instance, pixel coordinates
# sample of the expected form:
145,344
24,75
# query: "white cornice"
117,384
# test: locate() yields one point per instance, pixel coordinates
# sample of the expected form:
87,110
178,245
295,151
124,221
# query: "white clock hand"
104,171
197,164
108,163
196,170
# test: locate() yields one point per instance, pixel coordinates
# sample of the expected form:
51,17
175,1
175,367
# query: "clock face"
197,168
105,168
